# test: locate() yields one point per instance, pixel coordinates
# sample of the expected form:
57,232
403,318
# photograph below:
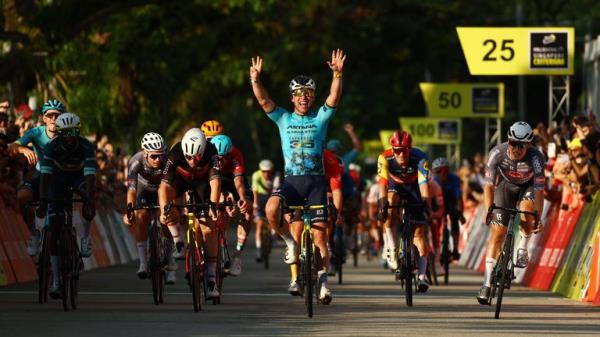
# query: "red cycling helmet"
401,139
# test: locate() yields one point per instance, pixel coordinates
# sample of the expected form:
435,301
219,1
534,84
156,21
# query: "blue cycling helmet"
334,146
222,143
53,104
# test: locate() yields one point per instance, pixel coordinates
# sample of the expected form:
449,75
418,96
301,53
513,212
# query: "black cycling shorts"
507,194
305,190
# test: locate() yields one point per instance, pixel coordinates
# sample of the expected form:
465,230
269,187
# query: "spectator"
11,173
6,127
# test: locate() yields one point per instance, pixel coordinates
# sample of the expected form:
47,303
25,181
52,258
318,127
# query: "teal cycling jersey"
302,139
58,157
39,139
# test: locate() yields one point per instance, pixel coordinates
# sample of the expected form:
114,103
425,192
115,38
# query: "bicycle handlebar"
513,211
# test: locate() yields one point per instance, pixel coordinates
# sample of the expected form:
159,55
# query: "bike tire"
446,255
356,250
339,254
194,275
408,274
155,267
308,275
65,267
76,267
43,268
503,273
220,268
431,270
265,249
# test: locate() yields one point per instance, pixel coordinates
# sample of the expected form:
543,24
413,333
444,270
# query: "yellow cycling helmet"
212,128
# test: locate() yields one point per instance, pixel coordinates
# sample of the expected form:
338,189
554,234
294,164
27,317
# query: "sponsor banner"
518,51
577,256
384,137
430,130
560,231
14,237
593,291
469,100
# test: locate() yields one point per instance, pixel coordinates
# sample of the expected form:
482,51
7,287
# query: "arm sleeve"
214,172
349,157
27,137
326,113
382,170
539,179
238,163
491,167
423,171
276,114
457,187
134,167
89,166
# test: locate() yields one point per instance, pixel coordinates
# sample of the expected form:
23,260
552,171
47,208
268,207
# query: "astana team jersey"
302,139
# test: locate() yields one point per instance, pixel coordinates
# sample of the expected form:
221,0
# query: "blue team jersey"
302,139
39,139
451,190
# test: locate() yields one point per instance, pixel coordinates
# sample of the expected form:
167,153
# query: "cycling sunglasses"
51,115
303,92
517,145
156,156
195,158
399,150
69,132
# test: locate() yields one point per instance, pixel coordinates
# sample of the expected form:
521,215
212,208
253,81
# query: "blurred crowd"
572,151
112,162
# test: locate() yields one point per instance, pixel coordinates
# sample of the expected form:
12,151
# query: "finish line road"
114,302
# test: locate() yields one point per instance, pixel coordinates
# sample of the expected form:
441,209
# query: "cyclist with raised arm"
403,172
452,192
193,164
303,134
263,183
234,183
144,175
39,137
514,177
69,162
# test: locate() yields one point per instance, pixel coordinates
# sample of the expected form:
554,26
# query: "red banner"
560,231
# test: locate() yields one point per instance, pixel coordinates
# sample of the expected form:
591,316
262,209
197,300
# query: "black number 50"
508,53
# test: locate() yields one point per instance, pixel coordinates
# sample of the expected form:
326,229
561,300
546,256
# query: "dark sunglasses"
69,132
52,116
303,92
398,150
196,158
517,145
156,156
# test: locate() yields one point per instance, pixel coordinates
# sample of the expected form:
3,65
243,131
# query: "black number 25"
506,49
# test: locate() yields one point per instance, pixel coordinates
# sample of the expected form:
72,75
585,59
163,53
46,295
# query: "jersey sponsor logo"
518,175
306,144
302,127
537,166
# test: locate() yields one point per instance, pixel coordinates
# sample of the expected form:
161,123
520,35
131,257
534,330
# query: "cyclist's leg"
296,226
142,219
173,192
526,203
315,192
287,193
209,235
455,231
57,188
413,196
503,197
243,228
27,193
389,227
259,220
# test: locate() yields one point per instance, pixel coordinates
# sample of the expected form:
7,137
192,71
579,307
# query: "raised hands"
256,68
337,60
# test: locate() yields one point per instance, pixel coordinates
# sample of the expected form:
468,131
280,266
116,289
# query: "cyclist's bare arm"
259,90
337,66
488,195
166,194
215,189
338,200
349,128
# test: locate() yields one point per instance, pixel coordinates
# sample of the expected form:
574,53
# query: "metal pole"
487,136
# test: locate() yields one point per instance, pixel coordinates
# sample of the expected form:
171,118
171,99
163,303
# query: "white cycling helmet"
265,165
439,162
152,141
520,132
302,81
193,142
67,120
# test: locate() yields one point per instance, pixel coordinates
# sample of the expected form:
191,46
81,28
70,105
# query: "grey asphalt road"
113,302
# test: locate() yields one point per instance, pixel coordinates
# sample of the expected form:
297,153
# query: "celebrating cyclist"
234,184
452,192
69,162
302,135
193,164
39,137
144,176
514,177
403,172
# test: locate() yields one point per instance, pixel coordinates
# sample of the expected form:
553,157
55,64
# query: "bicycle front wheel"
503,277
156,273
307,275
265,248
339,253
65,266
76,267
194,274
408,272
43,268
